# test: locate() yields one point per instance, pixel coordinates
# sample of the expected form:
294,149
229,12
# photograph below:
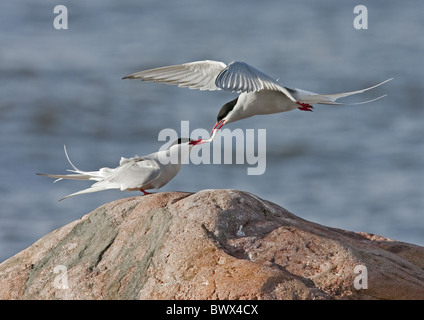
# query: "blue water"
359,168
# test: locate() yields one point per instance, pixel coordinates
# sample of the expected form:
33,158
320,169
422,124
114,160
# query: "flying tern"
141,173
259,93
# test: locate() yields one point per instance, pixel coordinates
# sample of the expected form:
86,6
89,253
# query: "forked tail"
78,175
304,96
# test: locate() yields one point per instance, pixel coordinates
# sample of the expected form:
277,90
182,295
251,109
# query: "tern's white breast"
260,102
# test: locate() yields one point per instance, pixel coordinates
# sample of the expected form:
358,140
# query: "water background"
358,168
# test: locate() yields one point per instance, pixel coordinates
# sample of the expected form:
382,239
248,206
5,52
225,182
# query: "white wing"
315,98
213,75
134,173
241,77
195,75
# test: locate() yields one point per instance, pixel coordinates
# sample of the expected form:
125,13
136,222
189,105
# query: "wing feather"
135,172
195,75
212,75
241,77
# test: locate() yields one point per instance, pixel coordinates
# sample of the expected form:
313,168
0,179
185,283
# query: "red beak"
218,125
195,142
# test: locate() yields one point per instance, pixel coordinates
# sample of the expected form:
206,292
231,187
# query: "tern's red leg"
145,192
304,106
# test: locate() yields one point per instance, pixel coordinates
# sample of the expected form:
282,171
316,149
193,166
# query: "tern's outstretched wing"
195,75
241,77
315,98
212,75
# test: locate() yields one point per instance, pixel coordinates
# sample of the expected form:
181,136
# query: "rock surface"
213,244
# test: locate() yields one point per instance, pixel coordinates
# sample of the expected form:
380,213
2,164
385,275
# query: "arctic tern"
259,93
139,173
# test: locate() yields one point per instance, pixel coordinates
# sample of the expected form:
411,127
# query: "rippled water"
359,168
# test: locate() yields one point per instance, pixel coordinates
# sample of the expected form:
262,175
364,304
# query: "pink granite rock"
213,244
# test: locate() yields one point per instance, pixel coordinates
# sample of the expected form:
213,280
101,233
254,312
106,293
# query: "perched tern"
139,173
259,93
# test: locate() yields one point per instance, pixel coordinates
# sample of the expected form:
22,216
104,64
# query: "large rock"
213,244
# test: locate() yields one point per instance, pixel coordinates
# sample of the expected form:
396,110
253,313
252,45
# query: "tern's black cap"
226,109
182,140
